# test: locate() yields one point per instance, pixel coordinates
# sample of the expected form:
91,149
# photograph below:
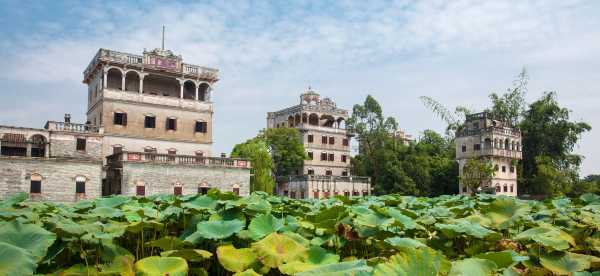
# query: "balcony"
116,160
491,152
505,131
72,127
105,55
136,97
309,127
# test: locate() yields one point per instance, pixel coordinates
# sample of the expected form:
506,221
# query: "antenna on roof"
163,39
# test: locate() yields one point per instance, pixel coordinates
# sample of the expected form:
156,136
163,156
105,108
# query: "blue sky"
269,52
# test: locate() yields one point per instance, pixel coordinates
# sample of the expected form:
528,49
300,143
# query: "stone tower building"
150,103
327,143
485,137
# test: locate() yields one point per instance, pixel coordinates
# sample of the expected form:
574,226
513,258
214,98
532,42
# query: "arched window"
316,194
487,143
203,188
355,193
236,189
140,188
505,188
132,81
304,118
80,184
189,90
36,184
512,188
313,119
506,144
38,145
114,78
204,92
365,193
297,119
177,189
496,143
347,193
290,121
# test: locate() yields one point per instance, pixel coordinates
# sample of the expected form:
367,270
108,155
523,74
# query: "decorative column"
207,96
47,150
197,88
142,75
181,81
122,81
105,78
28,154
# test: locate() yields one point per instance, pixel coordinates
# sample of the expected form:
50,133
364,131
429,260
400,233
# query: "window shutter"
174,124
124,119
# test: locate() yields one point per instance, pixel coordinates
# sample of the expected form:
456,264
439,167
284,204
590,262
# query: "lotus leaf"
217,230
504,211
249,272
235,260
166,243
15,260
30,237
503,259
422,261
404,242
565,263
276,249
473,266
316,256
356,268
549,236
151,266
192,255
263,225
461,226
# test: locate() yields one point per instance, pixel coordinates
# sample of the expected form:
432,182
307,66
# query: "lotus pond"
222,234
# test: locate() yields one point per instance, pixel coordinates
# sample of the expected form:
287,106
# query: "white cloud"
456,51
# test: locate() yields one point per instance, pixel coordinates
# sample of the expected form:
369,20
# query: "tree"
477,172
548,140
455,119
257,152
510,106
287,150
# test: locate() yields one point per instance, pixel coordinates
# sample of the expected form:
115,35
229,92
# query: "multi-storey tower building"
150,103
496,141
327,143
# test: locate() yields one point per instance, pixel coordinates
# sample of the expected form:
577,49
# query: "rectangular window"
140,190
503,168
316,194
344,173
120,119
201,127
171,124
331,140
236,191
328,172
344,158
36,187
323,156
311,172
203,190
117,149
177,190
512,169
80,144
80,187
511,188
477,147
331,157
310,156
464,148
310,138
345,142
150,122
324,139
293,194
301,194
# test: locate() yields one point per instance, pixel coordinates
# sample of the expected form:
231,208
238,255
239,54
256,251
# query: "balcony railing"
330,178
71,127
490,130
157,158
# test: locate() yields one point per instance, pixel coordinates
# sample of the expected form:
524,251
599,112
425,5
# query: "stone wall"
58,177
65,145
162,178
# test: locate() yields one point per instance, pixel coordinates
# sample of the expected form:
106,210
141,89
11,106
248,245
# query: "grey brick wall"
162,178
58,177
65,146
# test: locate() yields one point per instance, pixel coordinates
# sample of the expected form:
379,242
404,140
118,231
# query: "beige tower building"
494,140
327,143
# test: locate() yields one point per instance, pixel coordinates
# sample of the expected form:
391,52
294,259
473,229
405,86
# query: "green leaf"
503,259
473,266
276,249
462,226
191,255
505,211
249,272
549,236
422,261
153,266
235,260
218,230
317,256
106,212
565,263
34,239
399,242
15,260
263,225
166,243
355,268
14,199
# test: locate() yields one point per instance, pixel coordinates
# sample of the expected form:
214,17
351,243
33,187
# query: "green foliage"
286,149
221,234
423,168
548,141
257,151
510,106
477,172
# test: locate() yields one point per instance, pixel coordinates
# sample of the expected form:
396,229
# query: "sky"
268,52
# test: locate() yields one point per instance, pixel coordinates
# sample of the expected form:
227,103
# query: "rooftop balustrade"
72,127
117,159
